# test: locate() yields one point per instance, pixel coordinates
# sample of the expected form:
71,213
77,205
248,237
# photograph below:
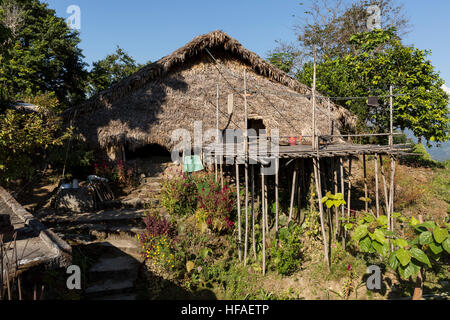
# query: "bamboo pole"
252,172
266,207
349,198
314,103
239,210
336,209
391,104
377,197
277,164
263,186
322,223
391,206
294,181
246,167
301,185
386,194
366,193
341,167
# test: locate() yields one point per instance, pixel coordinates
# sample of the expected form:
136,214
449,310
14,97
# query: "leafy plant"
287,253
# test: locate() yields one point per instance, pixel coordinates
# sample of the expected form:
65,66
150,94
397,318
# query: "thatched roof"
180,88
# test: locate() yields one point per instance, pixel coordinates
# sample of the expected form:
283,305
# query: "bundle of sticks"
101,189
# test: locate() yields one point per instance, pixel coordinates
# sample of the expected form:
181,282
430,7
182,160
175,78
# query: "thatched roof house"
181,88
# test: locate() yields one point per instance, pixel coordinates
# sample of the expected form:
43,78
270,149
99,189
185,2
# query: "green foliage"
331,200
381,60
179,194
287,253
22,137
426,245
42,55
282,60
111,70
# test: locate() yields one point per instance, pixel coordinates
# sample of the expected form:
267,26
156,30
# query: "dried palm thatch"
180,88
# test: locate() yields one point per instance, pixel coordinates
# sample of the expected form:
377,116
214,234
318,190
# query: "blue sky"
150,29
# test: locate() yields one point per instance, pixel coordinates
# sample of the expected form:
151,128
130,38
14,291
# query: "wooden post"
391,206
314,104
246,166
316,163
252,170
266,207
391,136
366,195
377,198
301,186
418,290
277,165
263,186
349,203
294,181
336,210
341,167
239,209
217,130
386,195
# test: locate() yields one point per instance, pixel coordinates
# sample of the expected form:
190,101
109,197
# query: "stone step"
110,287
97,217
118,268
119,297
130,246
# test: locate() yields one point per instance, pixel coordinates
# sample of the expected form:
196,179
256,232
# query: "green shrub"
287,253
179,194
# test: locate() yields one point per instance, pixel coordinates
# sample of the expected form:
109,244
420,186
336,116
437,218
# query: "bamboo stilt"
322,223
252,173
239,210
277,164
294,181
336,210
386,194
246,214
391,206
341,167
263,186
366,193
349,197
377,197
266,207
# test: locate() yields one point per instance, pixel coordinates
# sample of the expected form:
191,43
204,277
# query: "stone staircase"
114,275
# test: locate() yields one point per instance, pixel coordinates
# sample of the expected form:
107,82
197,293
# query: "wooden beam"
349,195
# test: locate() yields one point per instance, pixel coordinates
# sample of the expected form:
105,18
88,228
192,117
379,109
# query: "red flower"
349,267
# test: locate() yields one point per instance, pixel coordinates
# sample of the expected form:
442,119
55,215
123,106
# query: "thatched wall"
181,88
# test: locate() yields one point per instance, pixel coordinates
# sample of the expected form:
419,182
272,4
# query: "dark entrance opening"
148,151
255,124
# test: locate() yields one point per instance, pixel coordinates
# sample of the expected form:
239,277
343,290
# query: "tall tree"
42,53
380,60
329,24
111,70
